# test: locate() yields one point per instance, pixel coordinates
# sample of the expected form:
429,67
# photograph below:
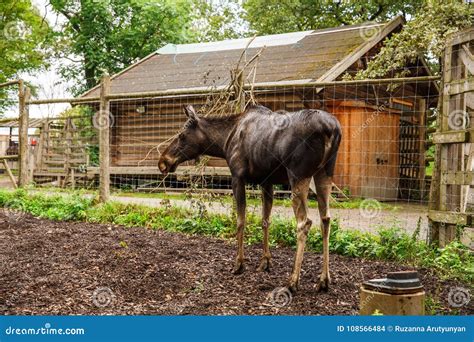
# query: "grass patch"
454,261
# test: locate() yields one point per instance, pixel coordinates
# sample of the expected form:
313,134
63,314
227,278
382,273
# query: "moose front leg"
299,193
267,202
238,188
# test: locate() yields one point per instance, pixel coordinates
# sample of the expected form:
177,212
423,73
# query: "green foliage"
280,16
218,20
282,232
429,22
109,35
424,35
453,261
57,208
24,38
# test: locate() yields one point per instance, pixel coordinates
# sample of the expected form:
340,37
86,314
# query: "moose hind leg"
238,187
267,202
299,193
323,190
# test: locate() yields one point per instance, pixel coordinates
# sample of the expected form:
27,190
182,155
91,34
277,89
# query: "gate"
63,151
452,199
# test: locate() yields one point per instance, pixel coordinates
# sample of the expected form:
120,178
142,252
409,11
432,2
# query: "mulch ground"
79,268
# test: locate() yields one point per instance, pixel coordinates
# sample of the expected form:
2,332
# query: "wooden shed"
383,146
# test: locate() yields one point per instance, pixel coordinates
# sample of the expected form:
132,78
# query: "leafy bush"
56,207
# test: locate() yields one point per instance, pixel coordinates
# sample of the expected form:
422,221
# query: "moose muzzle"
167,165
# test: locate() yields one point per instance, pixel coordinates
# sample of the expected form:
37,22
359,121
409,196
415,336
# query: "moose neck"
218,130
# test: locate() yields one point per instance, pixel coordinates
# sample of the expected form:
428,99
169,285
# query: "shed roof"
320,55
14,123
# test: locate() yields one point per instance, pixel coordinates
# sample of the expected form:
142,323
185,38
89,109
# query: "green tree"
215,20
424,35
108,35
24,39
280,16
428,24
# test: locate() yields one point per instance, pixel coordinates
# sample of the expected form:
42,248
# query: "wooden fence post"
102,122
23,97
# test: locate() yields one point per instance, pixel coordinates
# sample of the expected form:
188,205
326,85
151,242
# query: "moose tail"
330,156
331,153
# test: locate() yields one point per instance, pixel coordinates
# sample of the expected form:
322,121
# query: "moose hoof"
239,267
265,264
293,286
323,285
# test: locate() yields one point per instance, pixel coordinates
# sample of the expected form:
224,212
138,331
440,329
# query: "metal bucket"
400,293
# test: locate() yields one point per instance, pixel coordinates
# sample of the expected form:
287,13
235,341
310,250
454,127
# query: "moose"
266,148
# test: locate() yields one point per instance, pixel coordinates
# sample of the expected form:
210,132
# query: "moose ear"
191,113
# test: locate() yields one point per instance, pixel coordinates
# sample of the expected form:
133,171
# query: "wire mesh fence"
385,152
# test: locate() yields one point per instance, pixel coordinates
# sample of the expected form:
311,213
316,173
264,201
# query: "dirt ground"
53,268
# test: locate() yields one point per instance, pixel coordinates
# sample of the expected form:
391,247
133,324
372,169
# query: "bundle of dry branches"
232,99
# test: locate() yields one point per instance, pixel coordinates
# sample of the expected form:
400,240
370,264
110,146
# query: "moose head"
189,144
